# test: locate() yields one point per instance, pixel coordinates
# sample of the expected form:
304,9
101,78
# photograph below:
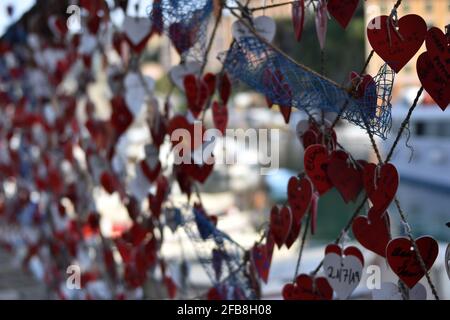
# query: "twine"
302,245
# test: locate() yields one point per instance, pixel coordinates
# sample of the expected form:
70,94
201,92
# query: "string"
302,245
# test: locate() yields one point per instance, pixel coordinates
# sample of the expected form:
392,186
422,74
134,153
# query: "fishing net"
219,255
185,22
286,83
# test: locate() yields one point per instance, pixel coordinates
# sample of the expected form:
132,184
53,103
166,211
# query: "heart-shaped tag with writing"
438,48
403,260
343,270
299,197
432,81
316,161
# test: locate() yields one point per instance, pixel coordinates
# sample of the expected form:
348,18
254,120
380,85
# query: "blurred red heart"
280,224
261,260
121,117
210,80
316,161
299,197
404,262
202,172
150,173
286,113
293,233
225,88
220,116
398,51
182,37
298,18
197,93
308,288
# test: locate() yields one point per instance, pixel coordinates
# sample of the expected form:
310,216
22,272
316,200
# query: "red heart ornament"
261,261
403,260
373,232
381,183
293,233
225,89
192,134
182,37
220,116
343,269
308,288
280,224
298,18
316,161
138,31
299,197
438,48
286,113
348,251
210,80
346,176
121,117
202,172
342,10
436,86
197,93
150,173
397,52
309,138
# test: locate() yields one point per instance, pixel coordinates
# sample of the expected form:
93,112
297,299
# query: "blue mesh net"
285,83
207,240
185,22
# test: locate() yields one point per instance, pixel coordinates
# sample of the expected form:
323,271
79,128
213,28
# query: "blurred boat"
423,153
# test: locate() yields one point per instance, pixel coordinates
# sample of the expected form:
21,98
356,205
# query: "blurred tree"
344,50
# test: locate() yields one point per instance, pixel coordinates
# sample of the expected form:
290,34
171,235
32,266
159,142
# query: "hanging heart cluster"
327,168
398,41
60,148
341,10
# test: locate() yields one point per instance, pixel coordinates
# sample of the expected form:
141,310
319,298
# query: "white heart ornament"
151,155
139,186
177,73
137,29
263,25
88,43
390,291
343,273
136,91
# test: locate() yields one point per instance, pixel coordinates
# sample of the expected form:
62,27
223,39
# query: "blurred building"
435,12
